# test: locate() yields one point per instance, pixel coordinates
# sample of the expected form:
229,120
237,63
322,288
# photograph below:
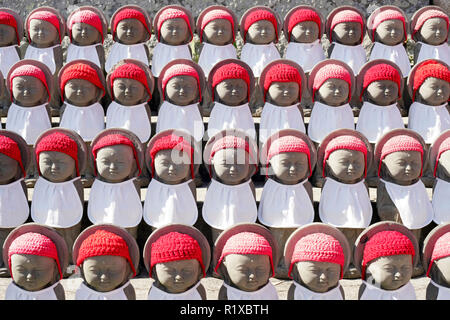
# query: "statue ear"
56,275
134,168
99,94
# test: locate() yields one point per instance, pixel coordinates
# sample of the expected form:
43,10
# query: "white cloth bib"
164,53
325,119
167,204
441,202
439,52
56,204
158,294
303,293
13,292
285,206
257,56
44,55
85,293
274,118
171,116
86,121
372,292
428,121
29,122
228,117
212,54
307,55
121,51
14,209
374,120
268,292
115,203
345,205
443,293
133,118
226,205
89,53
8,57
354,56
396,54
412,202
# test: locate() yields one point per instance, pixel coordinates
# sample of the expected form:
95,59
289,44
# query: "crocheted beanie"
389,14
9,20
104,243
59,142
129,13
180,69
82,71
382,71
346,15
173,13
172,142
386,243
31,71
247,243
89,17
131,71
45,16
441,250
302,15
319,247
11,149
35,244
347,142
175,246
217,14
230,71
430,68
282,72
400,143
114,140
429,14
258,15
331,71
445,146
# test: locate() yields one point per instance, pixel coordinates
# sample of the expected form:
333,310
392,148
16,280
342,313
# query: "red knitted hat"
104,243
348,142
89,17
230,71
170,142
386,243
80,71
113,140
46,16
35,244
216,14
382,71
180,69
59,142
258,15
131,71
441,250
429,14
129,13
11,149
9,20
430,68
331,71
31,71
302,15
247,243
400,143
289,144
445,146
319,247
175,246
173,13
389,14
346,16
282,72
